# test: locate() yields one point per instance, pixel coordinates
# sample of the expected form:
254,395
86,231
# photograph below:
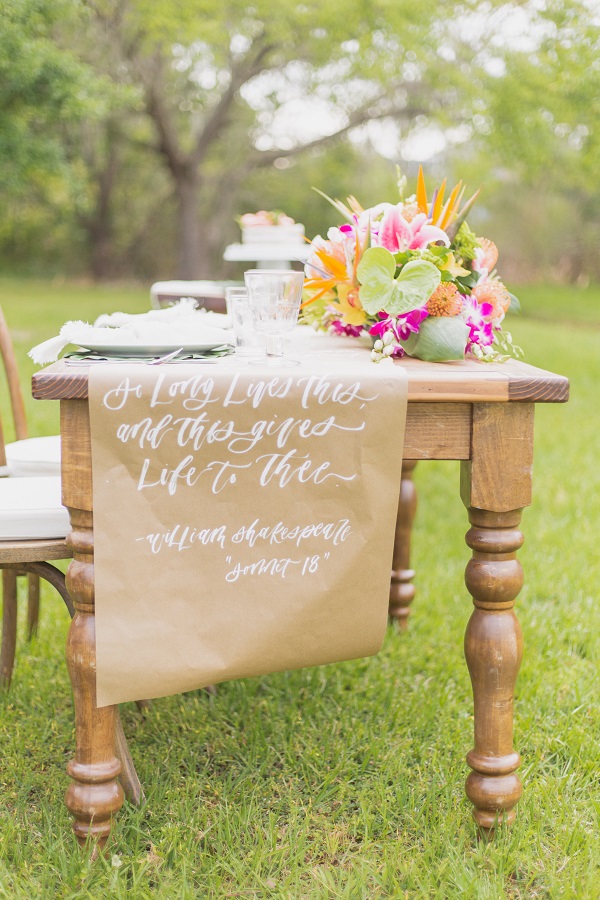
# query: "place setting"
259,315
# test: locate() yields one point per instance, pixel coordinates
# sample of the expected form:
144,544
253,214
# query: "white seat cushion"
30,509
34,456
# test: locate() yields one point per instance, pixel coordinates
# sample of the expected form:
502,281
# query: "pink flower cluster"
265,217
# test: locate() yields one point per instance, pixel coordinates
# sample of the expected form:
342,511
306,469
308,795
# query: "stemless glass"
275,296
242,320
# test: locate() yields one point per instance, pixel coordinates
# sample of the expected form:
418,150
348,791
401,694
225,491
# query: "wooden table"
478,413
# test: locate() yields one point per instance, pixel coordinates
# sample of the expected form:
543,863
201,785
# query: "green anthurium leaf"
380,291
415,284
439,339
376,272
515,306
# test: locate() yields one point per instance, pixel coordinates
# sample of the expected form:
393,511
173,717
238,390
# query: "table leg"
495,486
493,649
95,794
402,590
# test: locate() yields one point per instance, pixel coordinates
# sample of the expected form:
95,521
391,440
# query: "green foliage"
439,339
104,105
43,87
540,158
465,243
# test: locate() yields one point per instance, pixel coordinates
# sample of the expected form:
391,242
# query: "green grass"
346,781
572,305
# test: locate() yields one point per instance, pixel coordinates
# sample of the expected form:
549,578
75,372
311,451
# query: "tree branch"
358,117
168,144
218,116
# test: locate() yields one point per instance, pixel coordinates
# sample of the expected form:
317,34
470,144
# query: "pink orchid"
396,234
401,326
475,315
338,327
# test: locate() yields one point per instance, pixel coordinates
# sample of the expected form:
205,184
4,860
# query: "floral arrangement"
265,217
413,276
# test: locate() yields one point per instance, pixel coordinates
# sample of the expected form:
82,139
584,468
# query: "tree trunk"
102,252
99,223
194,261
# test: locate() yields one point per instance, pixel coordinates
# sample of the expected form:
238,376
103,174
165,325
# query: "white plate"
155,349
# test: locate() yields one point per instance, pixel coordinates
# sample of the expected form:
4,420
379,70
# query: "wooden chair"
208,294
33,523
33,530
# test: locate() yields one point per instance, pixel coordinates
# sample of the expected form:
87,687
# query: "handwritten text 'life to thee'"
210,419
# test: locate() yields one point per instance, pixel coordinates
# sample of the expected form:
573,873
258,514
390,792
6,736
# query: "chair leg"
9,626
129,778
33,605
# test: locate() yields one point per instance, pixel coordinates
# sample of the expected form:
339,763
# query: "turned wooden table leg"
95,794
402,590
495,486
493,649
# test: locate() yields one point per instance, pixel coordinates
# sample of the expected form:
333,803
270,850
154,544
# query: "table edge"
57,382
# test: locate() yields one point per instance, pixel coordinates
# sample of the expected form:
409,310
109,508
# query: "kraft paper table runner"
243,517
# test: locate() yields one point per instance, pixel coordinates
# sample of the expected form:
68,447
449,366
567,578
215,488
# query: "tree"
544,131
216,80
46,90
42,87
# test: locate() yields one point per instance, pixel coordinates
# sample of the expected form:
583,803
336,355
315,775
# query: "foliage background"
133,133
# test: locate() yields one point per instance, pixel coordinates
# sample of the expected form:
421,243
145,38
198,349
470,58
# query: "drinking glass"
275,296
242,320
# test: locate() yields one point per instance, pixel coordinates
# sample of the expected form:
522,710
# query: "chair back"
9,361
207,294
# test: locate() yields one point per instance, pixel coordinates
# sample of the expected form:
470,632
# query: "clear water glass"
242,320
275,296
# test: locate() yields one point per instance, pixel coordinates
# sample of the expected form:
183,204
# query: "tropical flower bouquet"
413,276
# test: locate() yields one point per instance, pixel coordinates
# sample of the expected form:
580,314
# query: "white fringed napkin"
181,323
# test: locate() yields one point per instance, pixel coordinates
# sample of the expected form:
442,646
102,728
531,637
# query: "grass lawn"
345,781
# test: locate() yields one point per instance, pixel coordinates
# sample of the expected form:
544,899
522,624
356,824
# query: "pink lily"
396,234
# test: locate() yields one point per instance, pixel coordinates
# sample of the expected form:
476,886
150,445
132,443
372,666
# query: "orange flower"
489,257
445,300
495,293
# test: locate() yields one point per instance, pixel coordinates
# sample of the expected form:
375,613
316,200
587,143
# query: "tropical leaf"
417,281
376,272
337,204
452,230
381,291
515,305
439,339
